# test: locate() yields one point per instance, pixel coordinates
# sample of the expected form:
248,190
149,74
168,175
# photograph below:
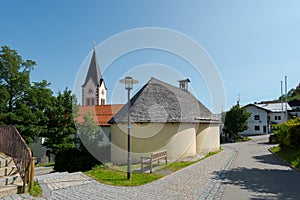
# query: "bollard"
31,175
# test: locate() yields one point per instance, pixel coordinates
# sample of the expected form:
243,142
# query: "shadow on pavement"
269,159
266,183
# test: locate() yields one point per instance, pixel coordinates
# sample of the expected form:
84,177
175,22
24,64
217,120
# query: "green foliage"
22,104
89,133
61,129
289,133
242,139
14,76
236,120
293,94
36,191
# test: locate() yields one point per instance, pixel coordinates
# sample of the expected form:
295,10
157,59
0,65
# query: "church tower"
94,89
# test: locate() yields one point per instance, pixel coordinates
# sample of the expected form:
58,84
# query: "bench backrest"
158,155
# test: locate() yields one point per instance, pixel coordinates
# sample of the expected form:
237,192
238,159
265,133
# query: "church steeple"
93,88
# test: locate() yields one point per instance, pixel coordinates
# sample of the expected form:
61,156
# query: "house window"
87,101
256,117
257,128
102,101
269,118
93,102
277,117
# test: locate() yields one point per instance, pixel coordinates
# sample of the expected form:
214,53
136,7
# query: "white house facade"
263,116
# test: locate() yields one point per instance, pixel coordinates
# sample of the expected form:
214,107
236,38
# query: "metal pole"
286,114
128,140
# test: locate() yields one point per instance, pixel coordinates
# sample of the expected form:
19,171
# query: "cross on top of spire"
94,43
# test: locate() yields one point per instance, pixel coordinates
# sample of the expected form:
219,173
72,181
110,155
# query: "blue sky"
253,44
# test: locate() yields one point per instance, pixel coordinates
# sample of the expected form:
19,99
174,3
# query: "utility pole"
286,112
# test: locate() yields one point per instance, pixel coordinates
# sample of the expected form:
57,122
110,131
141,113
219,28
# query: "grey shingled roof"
158,102
94,72
274,107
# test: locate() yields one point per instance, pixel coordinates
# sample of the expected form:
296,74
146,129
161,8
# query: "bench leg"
141,164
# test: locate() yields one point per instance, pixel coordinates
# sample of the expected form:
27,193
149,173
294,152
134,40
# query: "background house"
263,116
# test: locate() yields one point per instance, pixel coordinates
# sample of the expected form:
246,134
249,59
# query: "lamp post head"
128,81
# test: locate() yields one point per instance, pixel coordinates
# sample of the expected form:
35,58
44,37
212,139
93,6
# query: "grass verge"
242,139
292,156
50,164
112,175
36,191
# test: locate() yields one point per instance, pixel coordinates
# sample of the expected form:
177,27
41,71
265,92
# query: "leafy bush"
73,160
293,136
289,133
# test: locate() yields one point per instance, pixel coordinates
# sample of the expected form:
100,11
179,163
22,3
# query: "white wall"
102,94
262,123
179,139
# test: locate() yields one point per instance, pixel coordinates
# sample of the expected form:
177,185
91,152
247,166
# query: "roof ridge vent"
184,84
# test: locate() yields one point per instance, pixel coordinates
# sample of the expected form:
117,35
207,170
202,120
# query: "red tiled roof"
101,114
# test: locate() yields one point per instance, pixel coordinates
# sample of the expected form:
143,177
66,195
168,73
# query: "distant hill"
293,94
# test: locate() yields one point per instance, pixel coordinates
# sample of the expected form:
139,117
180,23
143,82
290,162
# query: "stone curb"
286,162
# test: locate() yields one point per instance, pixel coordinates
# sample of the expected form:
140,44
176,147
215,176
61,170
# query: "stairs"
10,180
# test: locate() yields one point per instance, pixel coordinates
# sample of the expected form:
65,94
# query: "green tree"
14,78
236,120
32,109
22,104
61,131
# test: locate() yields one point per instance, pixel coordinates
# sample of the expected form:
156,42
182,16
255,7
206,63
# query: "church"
163,117
93,88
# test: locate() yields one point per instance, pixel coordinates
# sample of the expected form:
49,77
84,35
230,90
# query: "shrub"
289,133
293,136
73,160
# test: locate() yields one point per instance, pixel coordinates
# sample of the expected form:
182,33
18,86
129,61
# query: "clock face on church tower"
90,91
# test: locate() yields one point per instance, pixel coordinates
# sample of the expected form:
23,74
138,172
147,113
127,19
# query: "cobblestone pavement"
241,171
198,181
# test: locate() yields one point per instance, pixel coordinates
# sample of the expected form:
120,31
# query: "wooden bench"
155,156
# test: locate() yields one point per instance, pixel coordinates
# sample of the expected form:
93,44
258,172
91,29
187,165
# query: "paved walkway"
241,171
257,174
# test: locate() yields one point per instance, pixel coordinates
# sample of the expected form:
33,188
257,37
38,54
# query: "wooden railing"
12,144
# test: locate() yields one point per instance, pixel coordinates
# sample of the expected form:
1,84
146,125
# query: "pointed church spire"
93,88
94,72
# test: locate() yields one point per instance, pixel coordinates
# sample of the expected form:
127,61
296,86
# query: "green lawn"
117,175
292,156
119,178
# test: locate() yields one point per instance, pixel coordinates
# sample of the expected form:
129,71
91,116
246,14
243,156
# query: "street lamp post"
128,81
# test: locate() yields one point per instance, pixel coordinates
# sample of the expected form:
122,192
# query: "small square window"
256,128
279,117
256,117
275,117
